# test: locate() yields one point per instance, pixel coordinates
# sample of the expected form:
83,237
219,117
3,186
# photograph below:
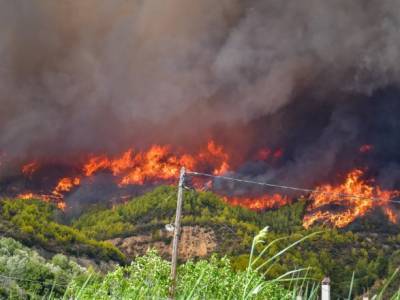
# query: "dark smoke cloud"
99,75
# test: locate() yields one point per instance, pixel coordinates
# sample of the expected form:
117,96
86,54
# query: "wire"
286,187
29,280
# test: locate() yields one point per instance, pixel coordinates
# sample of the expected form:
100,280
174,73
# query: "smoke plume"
318,78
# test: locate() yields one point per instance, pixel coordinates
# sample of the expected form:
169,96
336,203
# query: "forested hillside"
364,250
37,223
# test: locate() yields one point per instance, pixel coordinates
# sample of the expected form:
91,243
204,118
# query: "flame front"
30,168
65,185
43,197
259,203
158,163
355,196
336,205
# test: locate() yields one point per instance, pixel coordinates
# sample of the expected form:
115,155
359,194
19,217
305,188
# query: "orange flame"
155,164
365,198
46,198
158,163
258,203
217,155
26,196
95,164
65,185
30,168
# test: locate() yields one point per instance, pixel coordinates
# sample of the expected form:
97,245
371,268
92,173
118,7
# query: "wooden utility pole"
177,232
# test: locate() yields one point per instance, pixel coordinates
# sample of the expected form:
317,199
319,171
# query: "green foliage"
148,278
287,219
158,207
235,225
335,253
34,223
26,275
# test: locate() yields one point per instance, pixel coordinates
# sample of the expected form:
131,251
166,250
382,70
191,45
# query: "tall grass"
148,278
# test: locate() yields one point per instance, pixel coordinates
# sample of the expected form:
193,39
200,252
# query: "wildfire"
364,198
336,205
26,196
217,155
259,203
65,185
158,163
30,168
46,198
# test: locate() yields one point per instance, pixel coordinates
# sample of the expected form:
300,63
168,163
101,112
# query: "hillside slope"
36,224
140,224
367,247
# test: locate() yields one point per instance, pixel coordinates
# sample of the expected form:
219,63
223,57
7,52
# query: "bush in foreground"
148,278
24,274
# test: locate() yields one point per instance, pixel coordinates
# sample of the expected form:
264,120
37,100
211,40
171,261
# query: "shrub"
24,274
34,222
148,278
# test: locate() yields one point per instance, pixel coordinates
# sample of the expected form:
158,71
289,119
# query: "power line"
29,280
292,188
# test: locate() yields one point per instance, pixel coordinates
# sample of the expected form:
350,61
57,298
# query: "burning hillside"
338,205
355,197
100,105
158,164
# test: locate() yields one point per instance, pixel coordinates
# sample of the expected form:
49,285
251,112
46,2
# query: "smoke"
99,75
